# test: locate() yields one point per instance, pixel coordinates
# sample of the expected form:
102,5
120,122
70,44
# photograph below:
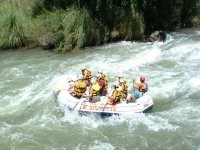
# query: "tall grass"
12,28
47,29
37,7
68,25
79,30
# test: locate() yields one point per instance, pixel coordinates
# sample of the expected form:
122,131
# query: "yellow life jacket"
118,95
106,81
80,89
125,90
96,89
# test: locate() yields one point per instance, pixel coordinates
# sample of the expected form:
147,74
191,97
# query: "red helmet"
142,78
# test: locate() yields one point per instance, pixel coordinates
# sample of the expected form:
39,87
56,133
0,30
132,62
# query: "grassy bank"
65,25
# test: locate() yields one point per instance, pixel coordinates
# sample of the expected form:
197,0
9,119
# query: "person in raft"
116,94
94,91
123,84
71,83
103,82
139,88
78,87
87,75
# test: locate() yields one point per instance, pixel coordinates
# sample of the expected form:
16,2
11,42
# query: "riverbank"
65,25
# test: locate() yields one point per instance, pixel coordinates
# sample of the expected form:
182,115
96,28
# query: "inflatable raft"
102,108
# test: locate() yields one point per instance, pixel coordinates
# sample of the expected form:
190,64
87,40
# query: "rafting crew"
98,86
139,88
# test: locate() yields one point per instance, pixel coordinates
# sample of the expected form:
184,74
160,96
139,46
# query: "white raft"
103,108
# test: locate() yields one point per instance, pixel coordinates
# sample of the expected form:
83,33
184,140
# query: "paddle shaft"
107,102
81,100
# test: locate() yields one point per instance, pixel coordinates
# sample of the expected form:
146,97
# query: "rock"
158,36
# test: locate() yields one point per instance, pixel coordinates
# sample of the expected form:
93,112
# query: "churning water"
30,117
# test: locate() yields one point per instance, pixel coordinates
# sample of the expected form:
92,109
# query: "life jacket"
125,90
80,89
96,89
118,95
106,81
105,86
89,76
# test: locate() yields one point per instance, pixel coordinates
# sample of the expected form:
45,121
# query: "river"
31,119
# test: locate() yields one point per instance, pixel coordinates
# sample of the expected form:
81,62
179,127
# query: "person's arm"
137,85
122,95
91,92
71,85
113,95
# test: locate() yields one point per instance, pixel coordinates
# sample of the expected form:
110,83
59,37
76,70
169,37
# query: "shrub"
79,29
12,28
47,29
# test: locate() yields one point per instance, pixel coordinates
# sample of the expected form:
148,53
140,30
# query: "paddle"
105,98
81,100
58,88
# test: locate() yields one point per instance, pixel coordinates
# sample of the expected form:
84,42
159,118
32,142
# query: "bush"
12,27
47,29
79,30
37,7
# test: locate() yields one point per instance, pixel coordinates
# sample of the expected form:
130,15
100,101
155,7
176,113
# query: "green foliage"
47,29
37,7
79,29
67,25
196,18
167,14
12,26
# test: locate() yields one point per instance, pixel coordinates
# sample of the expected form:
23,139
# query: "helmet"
93,80
89,69
99,75
100,71
142,78
119,76
116,84
121,80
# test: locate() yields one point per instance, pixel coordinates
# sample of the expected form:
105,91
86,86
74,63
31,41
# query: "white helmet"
99,75
116,84
121,80
94,80
100,71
